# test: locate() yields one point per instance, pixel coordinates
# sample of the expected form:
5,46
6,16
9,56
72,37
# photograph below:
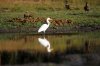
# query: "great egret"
44,42
44,26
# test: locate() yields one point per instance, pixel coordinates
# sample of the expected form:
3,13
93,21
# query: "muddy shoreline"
58,30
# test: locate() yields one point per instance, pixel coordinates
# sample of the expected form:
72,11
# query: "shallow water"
70,49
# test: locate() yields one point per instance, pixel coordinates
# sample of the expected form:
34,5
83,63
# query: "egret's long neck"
48,49
48,22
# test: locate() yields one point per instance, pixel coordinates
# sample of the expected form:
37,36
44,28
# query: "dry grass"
32,4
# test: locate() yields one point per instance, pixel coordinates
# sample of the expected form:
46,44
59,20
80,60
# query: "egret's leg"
44,33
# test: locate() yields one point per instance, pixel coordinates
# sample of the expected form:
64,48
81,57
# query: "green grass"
77,16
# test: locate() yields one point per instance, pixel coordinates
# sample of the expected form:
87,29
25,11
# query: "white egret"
45,26
44,42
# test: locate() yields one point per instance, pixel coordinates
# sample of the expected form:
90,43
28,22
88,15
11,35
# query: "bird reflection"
44,42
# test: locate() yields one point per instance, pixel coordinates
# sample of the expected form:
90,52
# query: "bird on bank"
44,27
86,7
44,42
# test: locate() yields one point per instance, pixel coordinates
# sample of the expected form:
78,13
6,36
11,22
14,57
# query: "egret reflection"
44,42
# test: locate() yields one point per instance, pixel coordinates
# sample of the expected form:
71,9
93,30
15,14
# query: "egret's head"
49,49
49,19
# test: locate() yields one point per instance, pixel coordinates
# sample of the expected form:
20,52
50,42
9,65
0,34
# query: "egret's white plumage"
44,42
44,26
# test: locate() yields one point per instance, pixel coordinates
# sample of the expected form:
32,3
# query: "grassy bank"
54,9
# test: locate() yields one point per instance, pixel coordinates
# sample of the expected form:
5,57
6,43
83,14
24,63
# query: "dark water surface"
68,50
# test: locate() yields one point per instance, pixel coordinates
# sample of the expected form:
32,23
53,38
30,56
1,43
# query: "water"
71,49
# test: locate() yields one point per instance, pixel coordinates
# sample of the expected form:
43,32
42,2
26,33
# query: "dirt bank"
57,30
